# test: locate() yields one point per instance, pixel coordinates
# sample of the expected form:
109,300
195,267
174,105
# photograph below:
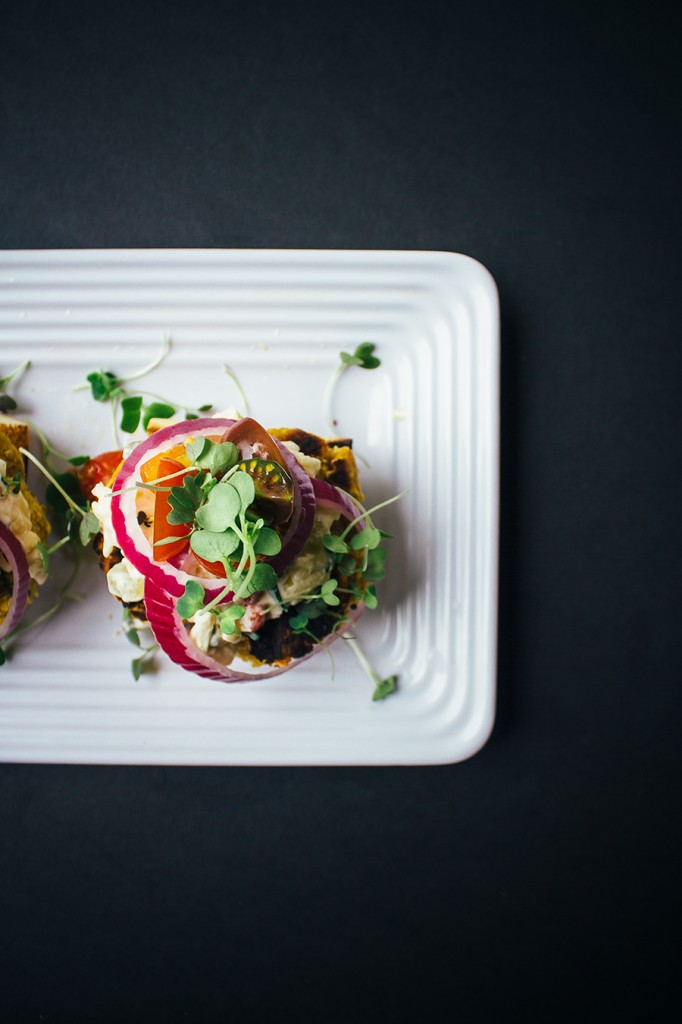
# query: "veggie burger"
234,543
23,527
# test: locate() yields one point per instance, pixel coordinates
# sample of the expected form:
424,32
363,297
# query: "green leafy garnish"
364,357
131,411
298,622
221,509
214,546
216,457
333,543
89,527
106,386
144,663
263,577
375,568
382,687
191,601
327,592
385,687
228,618
157,410
185,501
7,403
267,542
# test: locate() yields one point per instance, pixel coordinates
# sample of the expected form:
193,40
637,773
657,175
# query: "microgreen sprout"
106,386
49,451
382,687
237,383
215,501
143,663
364,542
132,629
229,617
60,487
364,357
65,594
7,403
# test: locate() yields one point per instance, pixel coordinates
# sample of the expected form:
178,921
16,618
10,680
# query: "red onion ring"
129,536
328,496
302,517
21,578
173,638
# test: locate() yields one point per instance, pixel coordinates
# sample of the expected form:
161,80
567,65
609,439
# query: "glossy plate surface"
426,420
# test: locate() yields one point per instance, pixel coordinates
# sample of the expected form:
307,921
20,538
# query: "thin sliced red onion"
328,496
129,536
302,517
16,558
173,637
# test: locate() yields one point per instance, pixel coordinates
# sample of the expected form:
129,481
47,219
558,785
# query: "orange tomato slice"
149,470
161,528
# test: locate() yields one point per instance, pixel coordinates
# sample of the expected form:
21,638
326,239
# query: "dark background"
537,880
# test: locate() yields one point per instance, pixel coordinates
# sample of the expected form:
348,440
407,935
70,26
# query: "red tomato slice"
161,528
98,471
216,568
247,434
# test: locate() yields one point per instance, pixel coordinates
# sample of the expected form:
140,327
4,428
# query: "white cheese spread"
15,514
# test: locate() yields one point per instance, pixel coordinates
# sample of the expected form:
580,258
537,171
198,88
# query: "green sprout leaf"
221,509
13,483
184,501
217,458
244,485
335,544
362,356
384,688
264,578
156,410
131,409
267,542
88,528
44,553
298,622
104,385
170,540
191,601
213,547
375,568
6,381
229,618
133,637
193,449
327,593
370,597
370,538
347,565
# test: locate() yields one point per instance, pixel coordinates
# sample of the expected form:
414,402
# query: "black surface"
538,880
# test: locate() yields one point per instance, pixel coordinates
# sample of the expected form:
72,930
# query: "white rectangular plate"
426,420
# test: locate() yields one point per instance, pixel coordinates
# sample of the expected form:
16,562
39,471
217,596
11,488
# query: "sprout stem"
235,380
46,473
153,365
